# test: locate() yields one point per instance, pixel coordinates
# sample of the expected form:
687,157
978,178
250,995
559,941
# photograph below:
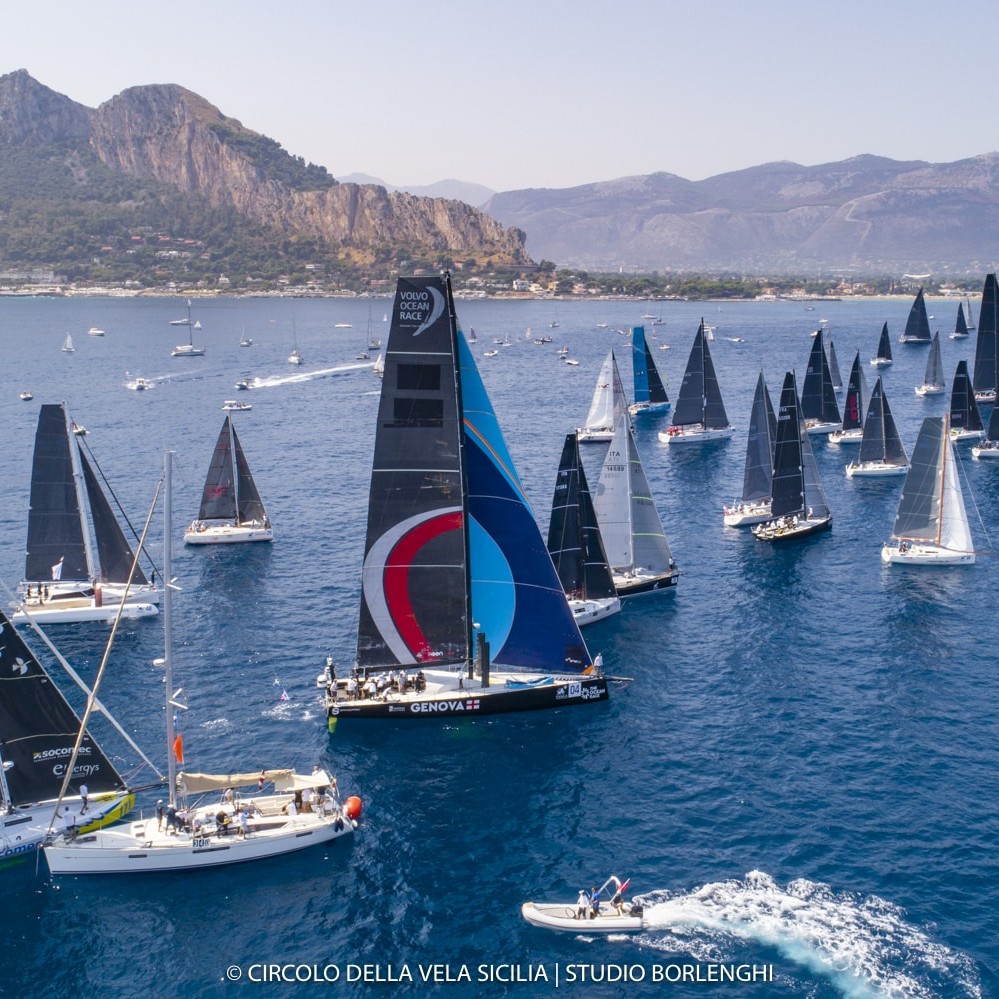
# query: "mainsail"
451,538
574,540
39,729
985,345
964,413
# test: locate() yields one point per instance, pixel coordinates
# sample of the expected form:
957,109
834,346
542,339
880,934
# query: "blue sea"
801,782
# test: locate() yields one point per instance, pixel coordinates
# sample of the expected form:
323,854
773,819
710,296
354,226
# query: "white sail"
955,532
608,402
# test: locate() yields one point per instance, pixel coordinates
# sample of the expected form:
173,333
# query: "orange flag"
178,749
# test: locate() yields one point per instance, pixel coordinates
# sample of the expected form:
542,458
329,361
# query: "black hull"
563,691
801,530
642,587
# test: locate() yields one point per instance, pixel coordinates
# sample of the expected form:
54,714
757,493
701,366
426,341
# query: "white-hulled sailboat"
960,324
700,412
637,550
67,344
798,506
575,544
931,526
917,325
608,403
989,447
187,349
819,407
933,379
883,357
881,450
965,417
231,508
303,810
757,479
650,393
854,407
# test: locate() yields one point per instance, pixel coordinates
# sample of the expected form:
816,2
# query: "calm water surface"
802,776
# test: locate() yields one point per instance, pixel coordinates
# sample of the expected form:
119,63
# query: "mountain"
153,146
867,214
458,190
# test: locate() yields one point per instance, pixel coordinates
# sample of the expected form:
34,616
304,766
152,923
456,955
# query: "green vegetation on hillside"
273,160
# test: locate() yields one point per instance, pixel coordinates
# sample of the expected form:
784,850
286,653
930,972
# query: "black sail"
414,588
855,403
113,550
657,391
700,399
917,326
789,481
218,498
964,412
38,728
884,344
55,524
818,396
985,345
250,507
574,540
757,479
961,324
881,441
918,516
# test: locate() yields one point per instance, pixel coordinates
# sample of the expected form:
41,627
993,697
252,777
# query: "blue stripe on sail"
517,598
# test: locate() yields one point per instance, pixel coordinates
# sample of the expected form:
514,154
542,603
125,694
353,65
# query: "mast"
79,487
943,478
235,470
168,620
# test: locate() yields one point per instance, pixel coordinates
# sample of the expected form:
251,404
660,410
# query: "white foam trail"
273,381
864,946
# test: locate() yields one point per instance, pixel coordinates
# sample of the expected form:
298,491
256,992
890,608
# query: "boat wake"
861,944
275,381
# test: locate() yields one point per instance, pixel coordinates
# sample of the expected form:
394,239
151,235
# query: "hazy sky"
544,93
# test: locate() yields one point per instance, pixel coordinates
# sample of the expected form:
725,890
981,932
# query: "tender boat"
611,915
27,396
95,331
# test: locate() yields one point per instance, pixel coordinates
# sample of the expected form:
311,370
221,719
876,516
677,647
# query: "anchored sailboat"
881,450
965,418
67,578
575,544
883,357
453,549
634,539
933,380
931,526
757,479
700,412
39,728
819,407
187,349
650,393
917,325
854,407
186,836
231,508
798,506
985,345
608,403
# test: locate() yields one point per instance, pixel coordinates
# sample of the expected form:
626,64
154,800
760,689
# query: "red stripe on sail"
396,585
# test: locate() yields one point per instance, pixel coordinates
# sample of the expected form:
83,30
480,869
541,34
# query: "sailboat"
67,578
917,325
931,526
453,549
378,368
608,403
637,550
650,393
757,479
833,362
302,810
883,357
965,418
989,447
854,407
231,508
798,506
881,450
700,411
575,544
295,356
933,380
187,349
960,325
38,725
985,345
67,344
818,397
